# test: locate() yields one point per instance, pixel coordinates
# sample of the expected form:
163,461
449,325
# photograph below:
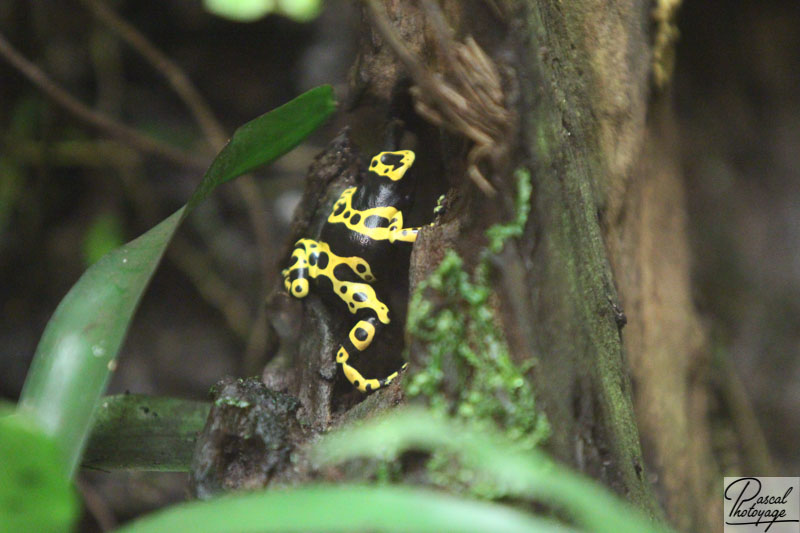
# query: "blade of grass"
530,474
79,346
138,432
342,508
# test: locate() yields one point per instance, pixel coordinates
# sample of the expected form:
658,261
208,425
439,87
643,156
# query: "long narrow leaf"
342,508
528,474
138,432
79,347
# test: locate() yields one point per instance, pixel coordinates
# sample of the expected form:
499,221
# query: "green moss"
466,346
233,402
500,233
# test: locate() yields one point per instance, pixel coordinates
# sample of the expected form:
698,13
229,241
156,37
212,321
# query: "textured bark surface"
605,241
620,132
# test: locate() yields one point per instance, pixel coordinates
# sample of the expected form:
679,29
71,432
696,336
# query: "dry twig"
177,79
94,118
216,293
470,102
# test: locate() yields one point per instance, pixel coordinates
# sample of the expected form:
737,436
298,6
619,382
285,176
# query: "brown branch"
472,106
211,287
94,118
84,153
178,80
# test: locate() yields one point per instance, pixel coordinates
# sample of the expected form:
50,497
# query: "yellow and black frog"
360,243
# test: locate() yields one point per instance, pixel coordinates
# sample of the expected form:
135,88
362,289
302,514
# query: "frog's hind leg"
359,339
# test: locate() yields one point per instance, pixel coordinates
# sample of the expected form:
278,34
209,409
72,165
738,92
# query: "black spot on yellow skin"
392,160
325,284
323,261
361,335
377,233
350,278
374,221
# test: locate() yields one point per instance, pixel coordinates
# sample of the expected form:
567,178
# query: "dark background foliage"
738,108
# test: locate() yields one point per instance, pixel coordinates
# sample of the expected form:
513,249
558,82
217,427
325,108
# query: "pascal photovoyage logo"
761,504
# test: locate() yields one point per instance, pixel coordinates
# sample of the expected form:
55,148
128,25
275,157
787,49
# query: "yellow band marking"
365,329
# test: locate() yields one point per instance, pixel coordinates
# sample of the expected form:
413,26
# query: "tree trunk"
585,109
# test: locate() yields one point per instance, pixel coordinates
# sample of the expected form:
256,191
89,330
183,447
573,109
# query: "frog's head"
392,165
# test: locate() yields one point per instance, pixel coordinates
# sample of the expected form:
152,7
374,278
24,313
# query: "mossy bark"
605,242
611,216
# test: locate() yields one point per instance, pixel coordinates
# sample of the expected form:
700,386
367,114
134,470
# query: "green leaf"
529,474
104,234
34,495
266,138
240,10
252,10
342,508
79,346
138,432
300,10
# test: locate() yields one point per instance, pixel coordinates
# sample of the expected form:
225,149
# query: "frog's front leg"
314,259
358,340
398,233
295,276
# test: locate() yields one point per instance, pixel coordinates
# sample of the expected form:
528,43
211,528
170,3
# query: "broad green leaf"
79,346
34,495
342,508
529,474
138,432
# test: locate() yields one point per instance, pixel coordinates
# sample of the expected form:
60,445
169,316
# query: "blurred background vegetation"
738,108
69,191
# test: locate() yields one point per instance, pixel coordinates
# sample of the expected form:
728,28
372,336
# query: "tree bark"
586,88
